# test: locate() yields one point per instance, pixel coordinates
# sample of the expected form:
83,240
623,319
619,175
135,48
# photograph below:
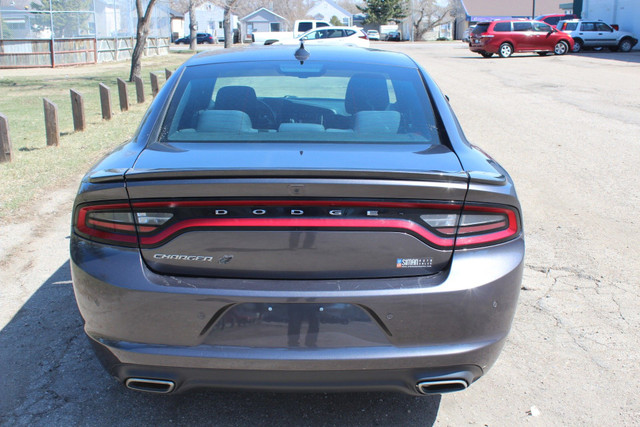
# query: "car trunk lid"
292,211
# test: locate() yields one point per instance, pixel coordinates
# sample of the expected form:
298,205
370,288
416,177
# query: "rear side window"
303,27
502,26
481,28
314,102
553,20
522,26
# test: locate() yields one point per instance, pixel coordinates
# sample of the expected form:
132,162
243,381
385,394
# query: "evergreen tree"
380,12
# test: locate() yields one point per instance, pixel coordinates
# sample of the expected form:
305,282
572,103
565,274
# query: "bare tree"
142,32
292,10
428,14
229,8
193,25
189,7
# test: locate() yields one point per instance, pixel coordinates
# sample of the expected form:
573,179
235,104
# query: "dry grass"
37,168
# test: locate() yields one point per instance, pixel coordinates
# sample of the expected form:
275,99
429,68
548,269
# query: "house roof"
176,14
334,5
255,12
506,8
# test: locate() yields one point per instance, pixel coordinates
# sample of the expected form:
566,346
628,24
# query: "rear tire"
578,46
625,45
561,48
506,50
486,54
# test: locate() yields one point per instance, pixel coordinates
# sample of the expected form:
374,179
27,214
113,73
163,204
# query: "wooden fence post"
51,122
5,140
122,93
105,102
139,89
155,87
167,73
77,109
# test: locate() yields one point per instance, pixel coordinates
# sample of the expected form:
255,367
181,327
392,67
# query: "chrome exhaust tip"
441,386
149,385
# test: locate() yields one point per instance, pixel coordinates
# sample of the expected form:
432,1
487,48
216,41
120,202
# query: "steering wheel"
265,116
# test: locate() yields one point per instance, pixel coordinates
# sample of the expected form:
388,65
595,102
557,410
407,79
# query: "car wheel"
625,45
561,48
577,46
506,50
487,54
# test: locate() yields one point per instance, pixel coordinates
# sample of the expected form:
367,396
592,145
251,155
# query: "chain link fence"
64,32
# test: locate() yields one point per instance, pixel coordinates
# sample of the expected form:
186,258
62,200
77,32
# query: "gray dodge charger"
299,220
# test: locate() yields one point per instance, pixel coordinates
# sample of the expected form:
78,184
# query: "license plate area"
297,325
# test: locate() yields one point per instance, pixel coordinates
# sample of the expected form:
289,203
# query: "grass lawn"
36,168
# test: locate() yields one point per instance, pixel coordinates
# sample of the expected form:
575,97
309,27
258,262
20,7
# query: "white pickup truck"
300,27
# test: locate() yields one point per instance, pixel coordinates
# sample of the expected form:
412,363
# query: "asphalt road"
568,130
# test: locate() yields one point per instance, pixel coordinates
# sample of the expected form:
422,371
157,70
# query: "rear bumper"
481,48
145,325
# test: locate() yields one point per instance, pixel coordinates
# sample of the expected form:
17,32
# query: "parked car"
300,27
555,18
394,36
200,38
334,36
467,33
373,35
506,37
284,220
597,34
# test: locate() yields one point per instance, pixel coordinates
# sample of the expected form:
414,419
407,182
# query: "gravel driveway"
568,130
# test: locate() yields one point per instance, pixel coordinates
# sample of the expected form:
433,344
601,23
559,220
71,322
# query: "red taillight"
484,225
114,223
441,225
477,225
363,36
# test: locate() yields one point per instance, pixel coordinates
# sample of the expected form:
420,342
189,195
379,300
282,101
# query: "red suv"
554,19
508,37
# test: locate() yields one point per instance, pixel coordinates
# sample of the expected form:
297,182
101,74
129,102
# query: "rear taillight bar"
441,225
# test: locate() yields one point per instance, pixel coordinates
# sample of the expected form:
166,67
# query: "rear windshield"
286,101
480,28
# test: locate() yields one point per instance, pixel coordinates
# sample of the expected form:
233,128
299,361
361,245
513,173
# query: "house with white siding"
324,10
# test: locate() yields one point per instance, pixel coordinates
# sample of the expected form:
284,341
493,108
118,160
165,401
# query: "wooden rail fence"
30,53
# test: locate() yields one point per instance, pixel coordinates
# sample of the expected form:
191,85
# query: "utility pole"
533,12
